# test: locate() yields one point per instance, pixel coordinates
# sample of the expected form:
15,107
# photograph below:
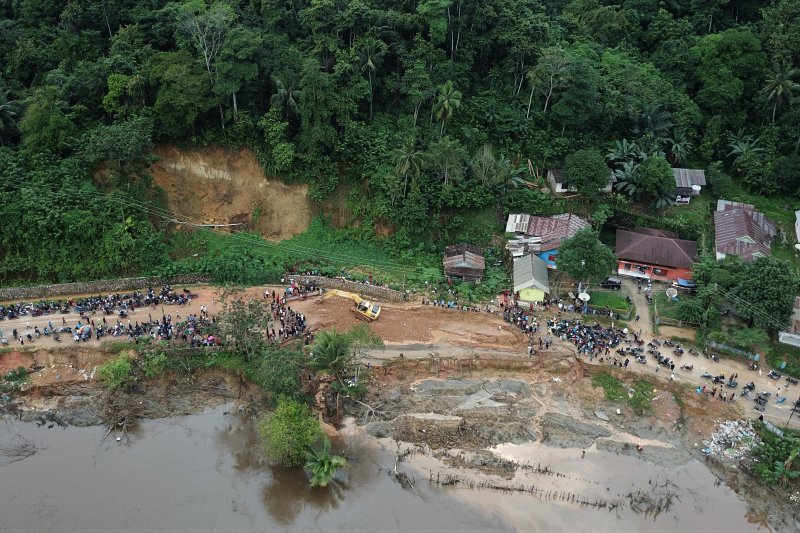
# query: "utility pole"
791,413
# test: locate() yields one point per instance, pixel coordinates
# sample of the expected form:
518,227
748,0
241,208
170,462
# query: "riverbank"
474,421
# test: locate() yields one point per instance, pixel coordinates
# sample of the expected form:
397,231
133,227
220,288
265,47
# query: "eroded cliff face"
219,186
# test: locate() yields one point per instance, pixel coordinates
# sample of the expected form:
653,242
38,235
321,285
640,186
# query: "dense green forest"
429,110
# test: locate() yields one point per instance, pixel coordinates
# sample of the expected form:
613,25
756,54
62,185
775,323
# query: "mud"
218,186
498,431
86,404
206,472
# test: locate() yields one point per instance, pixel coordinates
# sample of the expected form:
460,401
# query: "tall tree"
45,127
765,295
447,101
206,27
447,158
586,170
286,96
409,161
549,75
585,258
7,115
371,55
780,86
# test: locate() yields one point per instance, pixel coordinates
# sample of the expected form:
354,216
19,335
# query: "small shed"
688,183
464,261
531,278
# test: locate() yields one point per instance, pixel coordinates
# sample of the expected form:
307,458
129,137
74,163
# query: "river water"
205,473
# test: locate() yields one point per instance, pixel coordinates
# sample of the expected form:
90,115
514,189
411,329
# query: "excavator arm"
363,308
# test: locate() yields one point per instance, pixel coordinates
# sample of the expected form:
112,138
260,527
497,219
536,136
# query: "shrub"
154,364
117,373
288,433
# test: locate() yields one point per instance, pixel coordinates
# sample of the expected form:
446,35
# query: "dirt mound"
218,186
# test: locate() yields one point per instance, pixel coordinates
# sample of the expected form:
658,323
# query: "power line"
756,312
247,239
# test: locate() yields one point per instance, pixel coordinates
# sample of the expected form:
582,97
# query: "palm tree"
743,146
512,176
624,150
652,121
448,101
679,147
286,95
371,55
321,465
780,86
7,115
783,469
626,178
331,352
408,161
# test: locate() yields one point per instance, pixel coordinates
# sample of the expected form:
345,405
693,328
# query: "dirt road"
642,309
417,331
401,325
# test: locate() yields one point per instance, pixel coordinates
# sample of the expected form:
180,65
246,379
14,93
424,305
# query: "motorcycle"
774,375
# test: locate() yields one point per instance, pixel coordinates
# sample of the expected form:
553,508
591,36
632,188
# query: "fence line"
96,287
374,291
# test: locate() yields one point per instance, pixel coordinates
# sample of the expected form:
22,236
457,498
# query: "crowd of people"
291,324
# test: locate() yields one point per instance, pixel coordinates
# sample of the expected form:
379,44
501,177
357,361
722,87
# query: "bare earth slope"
218,186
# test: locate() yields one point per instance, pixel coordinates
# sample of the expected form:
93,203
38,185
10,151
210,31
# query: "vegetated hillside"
217,186
432,113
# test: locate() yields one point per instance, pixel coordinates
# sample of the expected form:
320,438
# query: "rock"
567,432
667,456
602,416
481,399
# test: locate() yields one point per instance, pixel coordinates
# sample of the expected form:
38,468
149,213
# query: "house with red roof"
654,254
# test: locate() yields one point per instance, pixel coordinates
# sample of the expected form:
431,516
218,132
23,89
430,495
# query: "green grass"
613,300
639,397
697,210
778,353
698,213
781,211
13,379
666,307
613,388
248,258
641,400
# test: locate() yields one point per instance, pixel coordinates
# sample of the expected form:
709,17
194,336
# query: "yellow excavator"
363,309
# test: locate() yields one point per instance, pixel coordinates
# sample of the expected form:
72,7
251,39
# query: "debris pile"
733,439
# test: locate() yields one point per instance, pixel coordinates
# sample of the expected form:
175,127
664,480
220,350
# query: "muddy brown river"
205,473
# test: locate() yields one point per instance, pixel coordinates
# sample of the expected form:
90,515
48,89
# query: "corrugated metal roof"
463,256
556,229
517,223
766,224
737,233
657,232
686,177
531,271
655,250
